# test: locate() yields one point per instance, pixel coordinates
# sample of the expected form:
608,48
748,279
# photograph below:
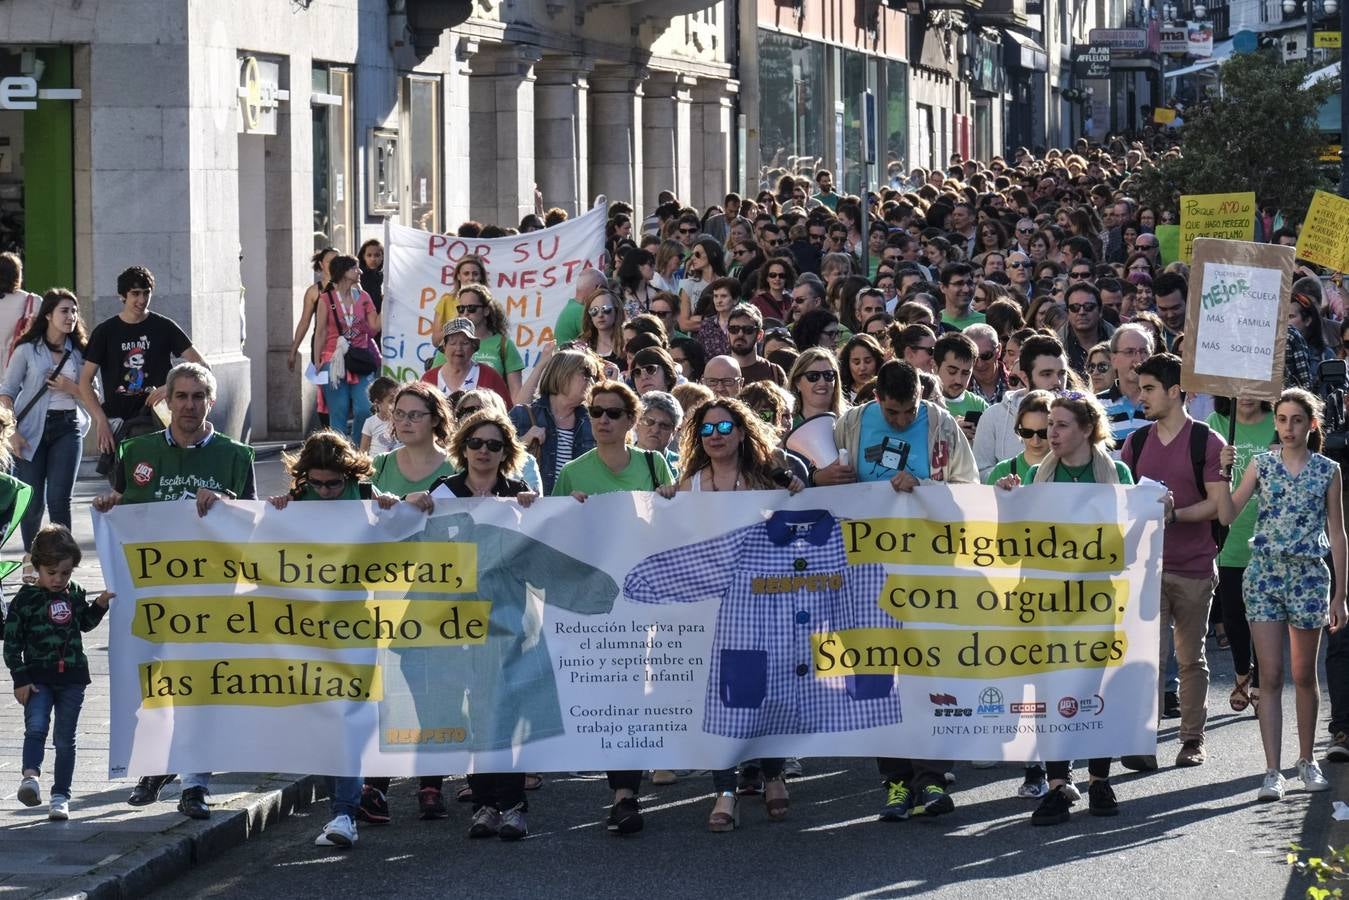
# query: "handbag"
360,359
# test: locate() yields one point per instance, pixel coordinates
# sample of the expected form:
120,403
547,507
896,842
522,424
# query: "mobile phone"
973,416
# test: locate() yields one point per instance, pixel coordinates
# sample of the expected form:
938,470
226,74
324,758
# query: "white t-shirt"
381,436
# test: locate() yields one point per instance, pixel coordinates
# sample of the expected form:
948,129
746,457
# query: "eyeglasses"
1025,231
1081,307
597,311
813,377
776,275
716,383
1098,368
613,412
1131,351
832,332
466,411
683,230
648,422
492,444
742,251
722,428
1018,265
469,309
779,242
660,313
742,329
647,370
1027,433
325,485
1080,273
816,238
413,416
796,299
987,355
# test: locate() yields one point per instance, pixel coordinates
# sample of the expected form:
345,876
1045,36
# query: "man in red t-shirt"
1188,548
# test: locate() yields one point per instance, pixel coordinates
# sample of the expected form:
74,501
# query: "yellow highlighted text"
1005,602
255,682
958,653
1097,547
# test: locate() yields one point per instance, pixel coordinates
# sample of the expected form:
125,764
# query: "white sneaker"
1272,789
340,832
30,792
1070,790
1033,790
1312,779
60,808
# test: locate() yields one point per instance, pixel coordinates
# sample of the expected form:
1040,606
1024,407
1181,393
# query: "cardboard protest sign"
1229,216
1236,319
1325,234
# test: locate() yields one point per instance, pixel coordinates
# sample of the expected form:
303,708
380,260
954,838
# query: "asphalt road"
1180,833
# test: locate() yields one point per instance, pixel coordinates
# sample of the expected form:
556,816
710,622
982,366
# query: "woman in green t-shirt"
423,422
495,348
1254,435
1079,438
1032,427
329,467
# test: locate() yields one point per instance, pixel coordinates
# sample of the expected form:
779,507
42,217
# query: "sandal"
776,799
533,781
1255,701
1240,697
721,822
464,795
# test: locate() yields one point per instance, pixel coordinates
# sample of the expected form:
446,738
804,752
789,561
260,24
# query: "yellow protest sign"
1229,216
1163,115
1325,233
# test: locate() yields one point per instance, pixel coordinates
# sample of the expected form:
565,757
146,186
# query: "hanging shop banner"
1236,319
634,632
532,275
1324,239
1229,216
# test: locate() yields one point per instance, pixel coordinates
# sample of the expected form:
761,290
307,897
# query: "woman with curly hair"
726,446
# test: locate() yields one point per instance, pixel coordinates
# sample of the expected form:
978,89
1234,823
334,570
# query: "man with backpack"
1181,454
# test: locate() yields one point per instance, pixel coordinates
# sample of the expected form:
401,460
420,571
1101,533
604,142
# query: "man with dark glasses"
744,329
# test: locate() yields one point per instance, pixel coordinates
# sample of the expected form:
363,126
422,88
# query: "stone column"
665,134
561,132
713,137
501,122
616,134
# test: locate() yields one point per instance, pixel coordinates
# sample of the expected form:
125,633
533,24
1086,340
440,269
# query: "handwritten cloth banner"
1324,239
532,275
1229,216
955,622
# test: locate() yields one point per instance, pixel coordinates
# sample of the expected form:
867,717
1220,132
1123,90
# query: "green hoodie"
42,635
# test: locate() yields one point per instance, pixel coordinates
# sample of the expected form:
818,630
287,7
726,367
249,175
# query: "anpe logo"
1067,707
142,473
990,702
1028,709
949,707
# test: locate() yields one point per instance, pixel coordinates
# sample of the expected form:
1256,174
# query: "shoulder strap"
365,490
1199,433
651,467
27,407
1137,439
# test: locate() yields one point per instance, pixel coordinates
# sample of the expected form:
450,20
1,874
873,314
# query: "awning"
1330,71
1221,51
1024,53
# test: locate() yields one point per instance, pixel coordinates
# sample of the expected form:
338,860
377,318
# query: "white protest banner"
532,275
633,633
1236,319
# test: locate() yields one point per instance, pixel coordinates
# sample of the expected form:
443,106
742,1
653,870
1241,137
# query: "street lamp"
1315,9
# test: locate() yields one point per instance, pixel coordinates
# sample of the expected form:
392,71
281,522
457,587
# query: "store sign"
1175,39
1200,36
20,92
1091,62
259,95
1327,40
1120,38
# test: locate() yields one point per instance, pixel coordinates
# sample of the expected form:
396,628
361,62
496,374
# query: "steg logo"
948,707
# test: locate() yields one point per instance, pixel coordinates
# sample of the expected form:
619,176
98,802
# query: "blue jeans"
66,699
345,795
51,473
345,400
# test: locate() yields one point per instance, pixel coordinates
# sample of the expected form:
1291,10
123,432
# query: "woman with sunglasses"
858,362
1099,369
1032,428
817,328
727,447
652,369
329,467
554,425
773,293
815,385
1079,442
470,402
469,269
613,466
495,349
746,259
602,328
703,265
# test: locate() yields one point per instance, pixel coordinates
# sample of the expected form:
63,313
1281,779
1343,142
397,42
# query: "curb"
191,843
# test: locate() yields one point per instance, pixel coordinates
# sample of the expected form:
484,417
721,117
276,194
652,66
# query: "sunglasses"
613,412
1081,273
1018,265
648,422
1098,368
492,444
1081,307
817,239
683,230
326,485
772,275
722,428
1027,433
742,329
647,370
985,357
1025,231
469,309
813,377
597,311
660,313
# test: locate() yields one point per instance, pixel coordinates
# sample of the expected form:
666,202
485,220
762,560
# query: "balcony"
1002,12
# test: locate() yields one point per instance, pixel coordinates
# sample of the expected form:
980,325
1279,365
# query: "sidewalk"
110,849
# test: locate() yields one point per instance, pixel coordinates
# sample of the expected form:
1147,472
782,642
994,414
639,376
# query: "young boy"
45,656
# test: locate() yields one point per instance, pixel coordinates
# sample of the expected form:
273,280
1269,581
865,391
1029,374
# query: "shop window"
421,108
333,128
896,118
793,103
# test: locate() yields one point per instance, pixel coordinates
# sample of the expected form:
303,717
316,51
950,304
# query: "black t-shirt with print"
134,359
